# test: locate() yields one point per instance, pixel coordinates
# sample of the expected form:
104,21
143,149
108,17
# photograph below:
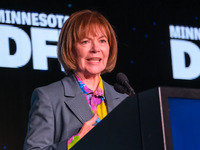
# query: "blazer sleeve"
40,134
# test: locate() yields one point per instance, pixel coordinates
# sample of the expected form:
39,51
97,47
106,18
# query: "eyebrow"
103,36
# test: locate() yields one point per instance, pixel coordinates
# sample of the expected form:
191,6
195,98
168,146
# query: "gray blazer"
58,111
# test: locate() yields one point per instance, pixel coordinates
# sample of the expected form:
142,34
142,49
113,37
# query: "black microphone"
119,88
123,80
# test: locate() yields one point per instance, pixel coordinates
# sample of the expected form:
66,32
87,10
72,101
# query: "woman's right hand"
87,126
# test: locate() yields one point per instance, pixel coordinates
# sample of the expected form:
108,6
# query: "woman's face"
92,53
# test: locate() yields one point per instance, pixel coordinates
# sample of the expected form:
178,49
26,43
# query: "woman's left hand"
87,126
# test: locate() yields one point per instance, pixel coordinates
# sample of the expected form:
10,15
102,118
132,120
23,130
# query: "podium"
163,118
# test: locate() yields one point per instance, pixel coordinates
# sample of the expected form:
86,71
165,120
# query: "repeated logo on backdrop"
40,43
185,53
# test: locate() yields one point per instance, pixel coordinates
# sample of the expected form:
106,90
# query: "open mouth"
94,59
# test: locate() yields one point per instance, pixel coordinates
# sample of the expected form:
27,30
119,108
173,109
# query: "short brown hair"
77,26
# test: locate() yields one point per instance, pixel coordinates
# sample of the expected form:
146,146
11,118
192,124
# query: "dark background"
142,29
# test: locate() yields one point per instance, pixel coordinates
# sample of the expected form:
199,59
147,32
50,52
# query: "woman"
63,112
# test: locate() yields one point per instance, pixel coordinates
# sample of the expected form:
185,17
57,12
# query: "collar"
98,92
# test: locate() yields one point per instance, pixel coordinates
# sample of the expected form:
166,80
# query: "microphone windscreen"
119,88
121,78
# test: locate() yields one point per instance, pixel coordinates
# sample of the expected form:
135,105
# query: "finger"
92,120
87,126
94,124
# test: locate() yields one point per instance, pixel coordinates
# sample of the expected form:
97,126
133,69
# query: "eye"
103,41
84,42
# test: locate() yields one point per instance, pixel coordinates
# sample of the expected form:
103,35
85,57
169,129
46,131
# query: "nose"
95,47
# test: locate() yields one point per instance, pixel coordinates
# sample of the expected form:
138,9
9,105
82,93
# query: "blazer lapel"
75,99
111,96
